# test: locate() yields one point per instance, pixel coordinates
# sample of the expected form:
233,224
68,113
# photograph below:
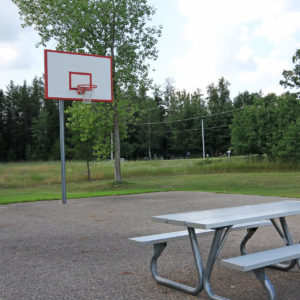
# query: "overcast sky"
249,42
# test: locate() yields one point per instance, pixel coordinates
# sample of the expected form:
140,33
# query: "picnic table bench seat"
175,235
257,262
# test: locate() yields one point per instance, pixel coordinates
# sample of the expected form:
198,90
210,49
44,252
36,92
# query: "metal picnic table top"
222,217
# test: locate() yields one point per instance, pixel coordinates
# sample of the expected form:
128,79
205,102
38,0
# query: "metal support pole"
62,150
203,142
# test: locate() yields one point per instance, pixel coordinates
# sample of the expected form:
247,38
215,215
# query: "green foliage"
218,137
292,77
245,99
218,96
268,127
288,147
39,130
21,108
166,124
243,132
2,126
186,135
92,126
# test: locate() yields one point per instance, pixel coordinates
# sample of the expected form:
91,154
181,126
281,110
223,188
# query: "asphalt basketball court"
80,250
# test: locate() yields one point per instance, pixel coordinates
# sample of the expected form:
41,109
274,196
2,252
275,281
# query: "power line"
202,117
195,129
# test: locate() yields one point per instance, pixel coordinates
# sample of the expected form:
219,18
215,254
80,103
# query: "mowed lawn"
42,180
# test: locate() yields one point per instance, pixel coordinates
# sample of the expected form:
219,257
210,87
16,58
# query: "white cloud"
279,27
9,21
266,67
247,42
19,58
244,34
7,56
245,53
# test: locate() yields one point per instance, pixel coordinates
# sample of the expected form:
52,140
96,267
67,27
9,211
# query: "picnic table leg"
287,238
298,261
250,233
218,241
159,248
265,281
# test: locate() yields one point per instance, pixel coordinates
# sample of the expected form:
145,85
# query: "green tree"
91,127
185,122
245,98
288,147
292,77
219,103
91,137
41,147
20,106
244,135
29,107
12,122
108,27
2,127
253,128
138,142
268,127
286,139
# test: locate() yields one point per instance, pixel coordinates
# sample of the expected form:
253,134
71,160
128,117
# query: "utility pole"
149,134
111,146
203,141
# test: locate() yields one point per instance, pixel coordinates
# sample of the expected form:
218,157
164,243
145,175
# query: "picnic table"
221,221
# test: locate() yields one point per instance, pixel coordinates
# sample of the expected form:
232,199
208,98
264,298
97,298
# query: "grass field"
41,180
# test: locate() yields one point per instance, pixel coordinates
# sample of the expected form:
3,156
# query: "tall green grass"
284,184
26,174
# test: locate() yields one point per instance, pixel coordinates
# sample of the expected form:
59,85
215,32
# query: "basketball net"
87,91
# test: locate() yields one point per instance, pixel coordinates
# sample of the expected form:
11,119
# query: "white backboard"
64,71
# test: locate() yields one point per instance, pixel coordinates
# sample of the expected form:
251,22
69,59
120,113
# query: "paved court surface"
81,250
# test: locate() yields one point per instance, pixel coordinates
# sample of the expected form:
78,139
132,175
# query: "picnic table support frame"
250,233
218,241
217,244
159,248
287,238
265,281
220,221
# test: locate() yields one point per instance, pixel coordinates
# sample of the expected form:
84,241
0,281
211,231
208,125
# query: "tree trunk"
117,147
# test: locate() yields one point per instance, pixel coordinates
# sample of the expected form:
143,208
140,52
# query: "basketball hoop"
86,90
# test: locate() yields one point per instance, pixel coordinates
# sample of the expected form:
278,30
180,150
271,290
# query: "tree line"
135,125
29,125
167,124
